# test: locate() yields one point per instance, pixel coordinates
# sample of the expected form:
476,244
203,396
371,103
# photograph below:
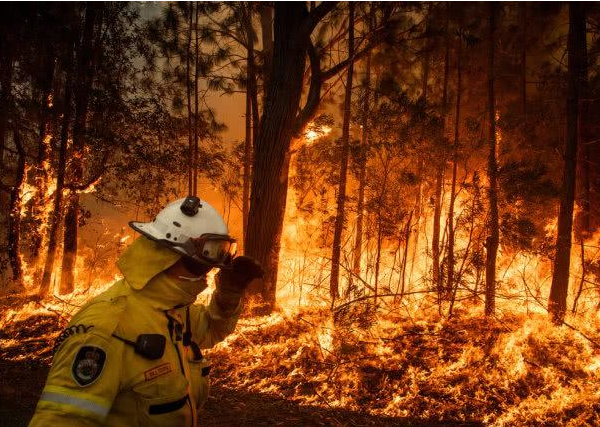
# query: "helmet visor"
215,249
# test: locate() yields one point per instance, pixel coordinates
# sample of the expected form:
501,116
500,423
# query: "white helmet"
192,228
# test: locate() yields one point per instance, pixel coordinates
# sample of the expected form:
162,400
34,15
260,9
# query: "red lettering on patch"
157,371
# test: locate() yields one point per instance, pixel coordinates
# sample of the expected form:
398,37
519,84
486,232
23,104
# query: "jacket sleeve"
83,381
211,324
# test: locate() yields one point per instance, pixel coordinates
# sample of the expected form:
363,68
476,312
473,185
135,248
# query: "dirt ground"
22,382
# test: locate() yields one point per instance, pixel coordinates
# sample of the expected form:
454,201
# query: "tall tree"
492,240
439,176
455,147
83,85
293,26
345,150
362,173
557,303
14,216
57,203
252,115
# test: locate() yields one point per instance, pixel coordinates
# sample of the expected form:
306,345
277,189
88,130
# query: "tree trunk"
341,196
196,117
362,175
5,99
42,172
421,161
188,92
251,117
56,215
83,84
14,218
271,157
439,177
557,303
450,281
584,162
405,256
492,240
266,24
523,25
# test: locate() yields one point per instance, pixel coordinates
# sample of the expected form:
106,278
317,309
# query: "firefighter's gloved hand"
231,282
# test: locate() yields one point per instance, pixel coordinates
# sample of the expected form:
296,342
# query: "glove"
231,282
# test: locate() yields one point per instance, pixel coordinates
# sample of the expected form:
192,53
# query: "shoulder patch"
88,364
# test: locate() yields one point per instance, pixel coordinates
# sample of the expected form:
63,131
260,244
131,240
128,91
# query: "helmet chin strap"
190,279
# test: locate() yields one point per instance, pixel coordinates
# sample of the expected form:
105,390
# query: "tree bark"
450,281
420,161
251,117
56,215
362,175
83,84
196,117
271,157
266,24
493,238
14,217
439,178
341,195
523,25
6,67
188,92
557,303
584,162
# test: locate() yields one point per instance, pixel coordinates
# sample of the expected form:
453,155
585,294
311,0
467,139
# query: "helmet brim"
148,230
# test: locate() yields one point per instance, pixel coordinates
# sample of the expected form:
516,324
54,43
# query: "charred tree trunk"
271,157
421,161
584,161
83,84
493,238
56,215
266,24
251,117
439,178
523,25
196,116
557,303
362,175
405,255
341,196
14,217
6,68
451,239
188,92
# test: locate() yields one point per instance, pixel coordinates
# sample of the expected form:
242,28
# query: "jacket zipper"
189,400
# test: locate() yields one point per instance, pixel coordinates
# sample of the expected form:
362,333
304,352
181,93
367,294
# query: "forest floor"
22,383
25,359
297,369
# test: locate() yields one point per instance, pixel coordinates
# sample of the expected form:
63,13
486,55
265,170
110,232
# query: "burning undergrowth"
517,370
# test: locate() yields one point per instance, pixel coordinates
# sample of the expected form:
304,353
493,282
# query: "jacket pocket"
199,371
169,409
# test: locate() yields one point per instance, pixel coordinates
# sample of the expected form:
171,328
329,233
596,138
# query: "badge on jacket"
88,365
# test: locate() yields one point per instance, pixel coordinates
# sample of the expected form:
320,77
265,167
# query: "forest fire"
419,229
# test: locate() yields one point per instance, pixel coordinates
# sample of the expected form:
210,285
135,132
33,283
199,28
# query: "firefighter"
132,356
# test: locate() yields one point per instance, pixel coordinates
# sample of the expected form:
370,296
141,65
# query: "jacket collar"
143,260
143,265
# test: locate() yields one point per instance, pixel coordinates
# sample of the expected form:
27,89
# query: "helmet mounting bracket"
190,205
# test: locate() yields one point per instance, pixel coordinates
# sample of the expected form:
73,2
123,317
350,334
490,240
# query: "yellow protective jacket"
97,378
